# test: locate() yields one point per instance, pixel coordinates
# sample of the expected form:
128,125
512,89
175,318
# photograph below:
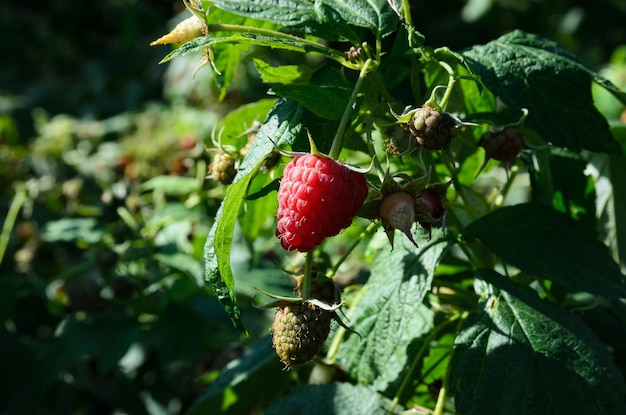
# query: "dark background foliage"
88,66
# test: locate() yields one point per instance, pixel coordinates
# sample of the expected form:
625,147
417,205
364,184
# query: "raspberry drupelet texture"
299,331
317,198
502,145
431,128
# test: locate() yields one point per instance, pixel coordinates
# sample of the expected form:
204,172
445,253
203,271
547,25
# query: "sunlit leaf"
391,314
291,44
282,125
329,19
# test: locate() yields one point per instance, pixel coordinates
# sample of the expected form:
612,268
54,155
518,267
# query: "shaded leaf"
336,399
104,337
18,392
282,125
245,378
182,262
550,245
391,314
573,191
521,355
527,71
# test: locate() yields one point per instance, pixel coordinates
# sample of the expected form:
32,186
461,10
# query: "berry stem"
333,349
406,11
426,344
18,200
451,81
337,145
441,398
366,233
306,281
499,198
370,146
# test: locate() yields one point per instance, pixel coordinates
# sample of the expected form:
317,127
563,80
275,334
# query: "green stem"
306,281
9,221
451,81
337,145
406,10
441,398
507,185
418,358
370,146
333,53
331,355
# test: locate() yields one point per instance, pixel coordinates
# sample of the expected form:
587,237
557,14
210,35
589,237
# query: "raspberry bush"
482,272
501,291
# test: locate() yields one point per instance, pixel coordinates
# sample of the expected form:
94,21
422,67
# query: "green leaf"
329,19
573,191
291,44
521,355
527,71
610,87
246,379
285,74
550,245
375,15
185,329
325,95
182,262
282,125
232,127
172,185
226,59
336,399
227,56
254,221
390,315
105,337
73,229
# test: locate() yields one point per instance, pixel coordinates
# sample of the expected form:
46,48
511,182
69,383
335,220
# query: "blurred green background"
105,204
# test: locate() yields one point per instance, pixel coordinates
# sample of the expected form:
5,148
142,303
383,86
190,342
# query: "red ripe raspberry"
317,198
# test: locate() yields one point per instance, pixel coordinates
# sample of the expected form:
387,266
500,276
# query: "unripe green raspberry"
299,331
223,168
431,128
